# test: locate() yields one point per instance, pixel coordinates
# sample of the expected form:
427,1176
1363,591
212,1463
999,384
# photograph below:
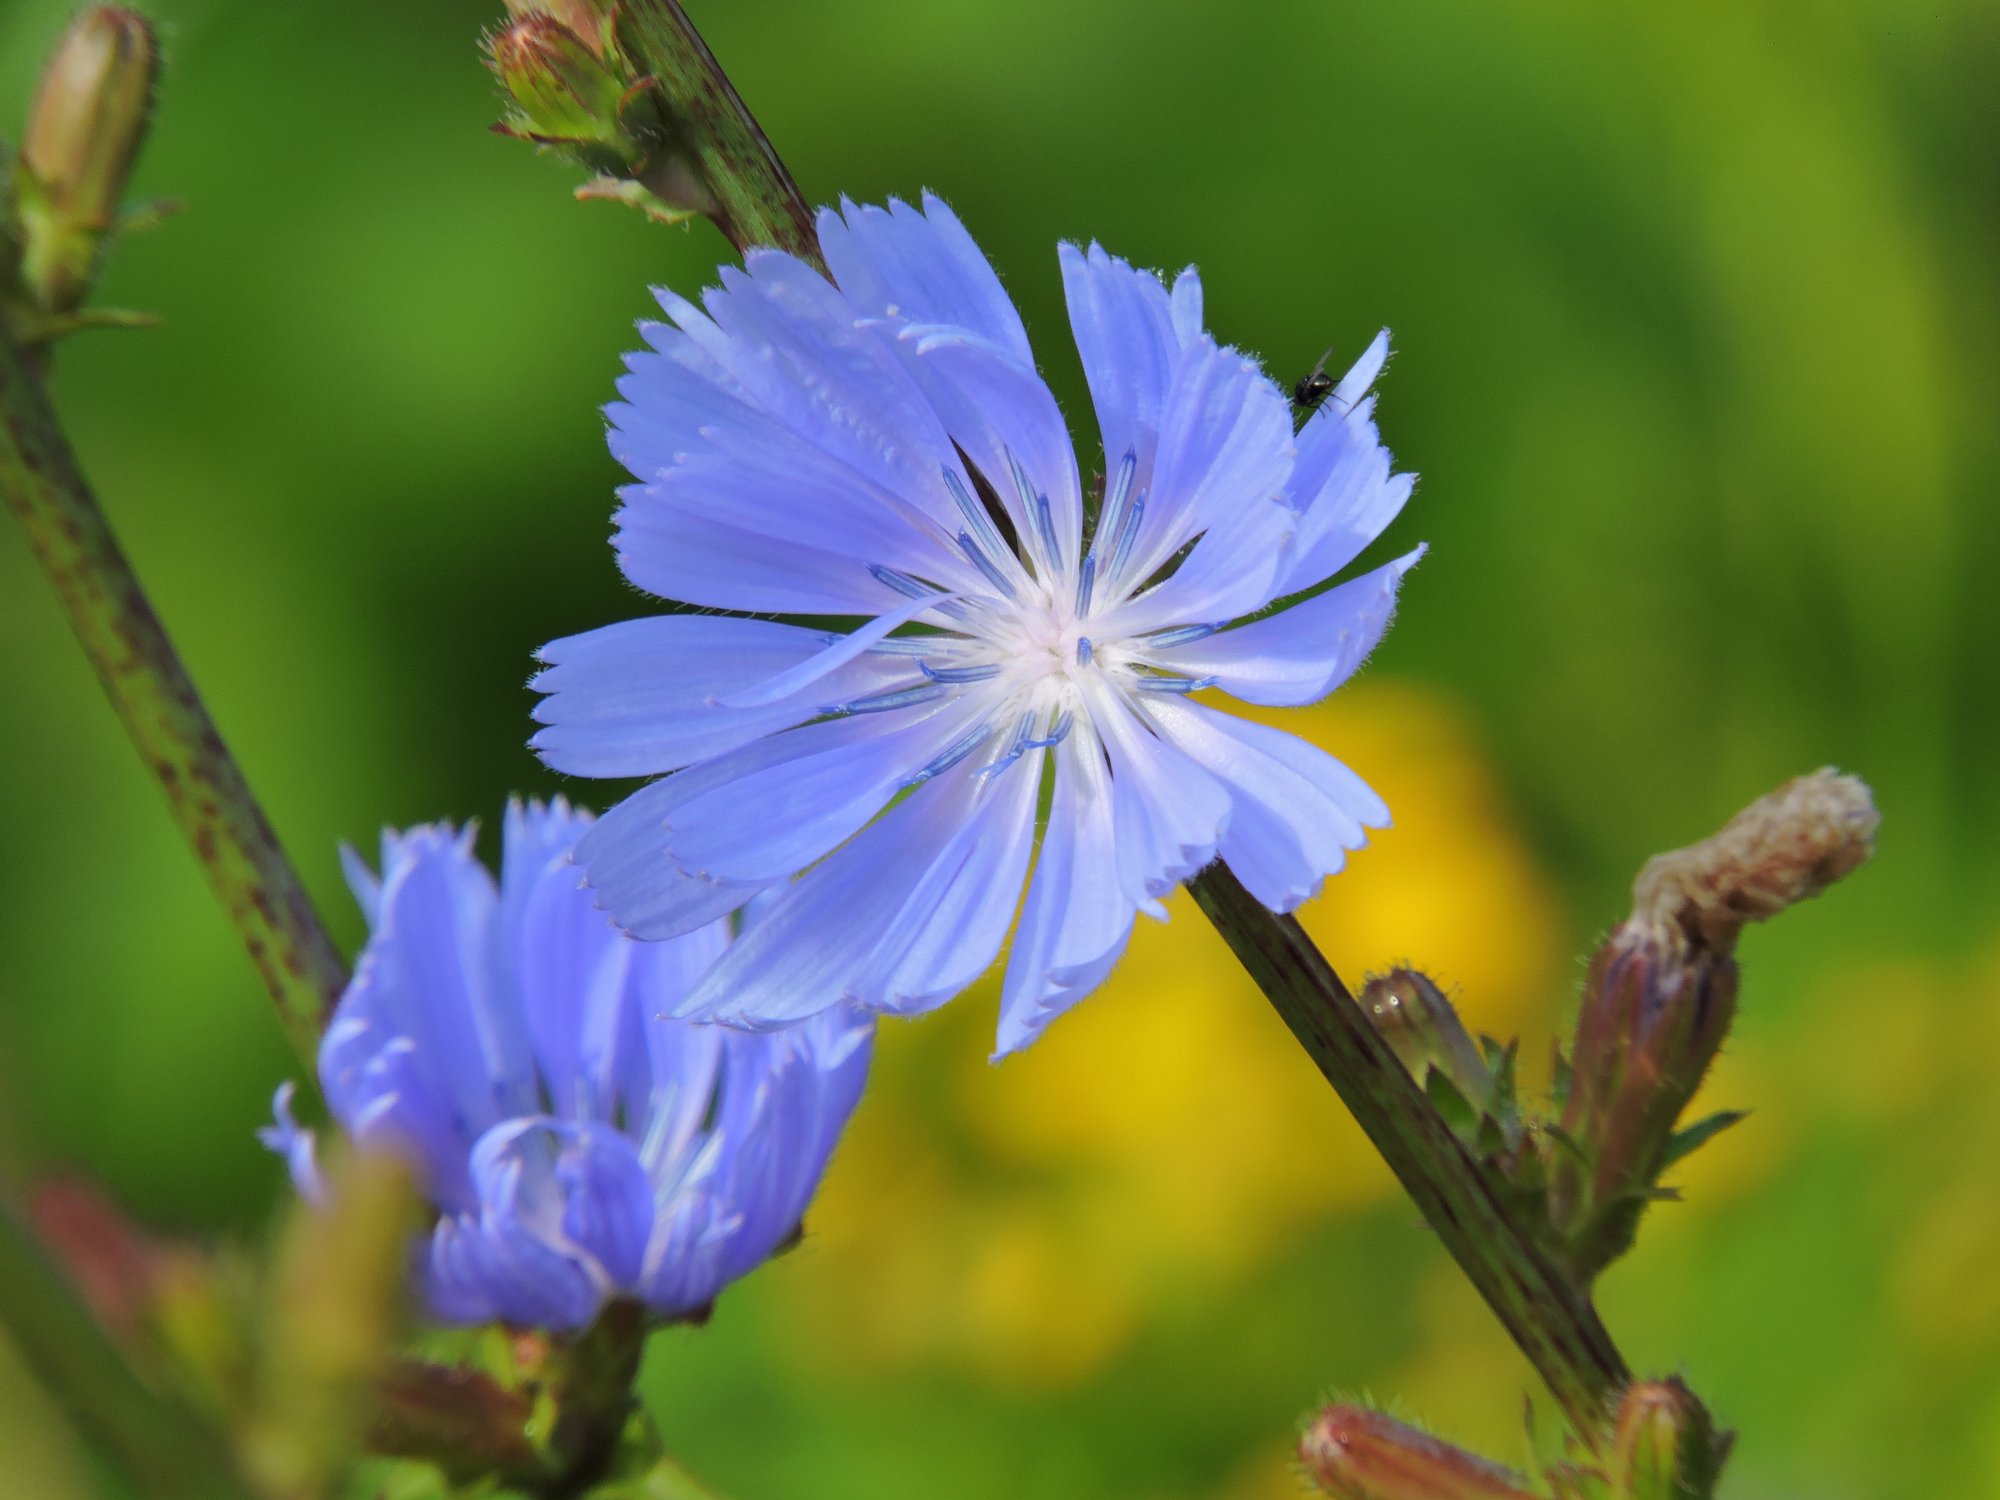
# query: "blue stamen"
1023,486
975,515
1083,651
903,645
1058,732
902,583
984,562
1013,752
1173,684
1108,514
1045,528
1128,533
1086,581
959,674
882,702
1180,637
951,757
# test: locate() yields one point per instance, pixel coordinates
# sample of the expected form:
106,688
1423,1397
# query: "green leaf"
1454,1106
1683,1143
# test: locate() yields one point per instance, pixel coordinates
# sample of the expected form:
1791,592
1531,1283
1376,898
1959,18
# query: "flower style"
576,1145
881,445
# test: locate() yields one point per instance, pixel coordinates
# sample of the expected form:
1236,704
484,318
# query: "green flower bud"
1664,1447
1357,1454
1419,1023
84,133
567,93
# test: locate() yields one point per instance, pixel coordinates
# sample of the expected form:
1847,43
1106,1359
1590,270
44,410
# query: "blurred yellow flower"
1167,1138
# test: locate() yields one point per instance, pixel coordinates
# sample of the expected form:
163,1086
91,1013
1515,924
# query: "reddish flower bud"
1661,994
1357,1454
567,94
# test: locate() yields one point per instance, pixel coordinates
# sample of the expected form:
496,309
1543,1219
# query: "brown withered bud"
1779,851
1661,994
1357,1454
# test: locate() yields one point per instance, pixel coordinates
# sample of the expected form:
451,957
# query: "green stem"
166,1451
151,689
1554,1325
754,200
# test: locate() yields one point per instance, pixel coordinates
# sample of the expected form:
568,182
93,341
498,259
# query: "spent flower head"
881,445
577,1146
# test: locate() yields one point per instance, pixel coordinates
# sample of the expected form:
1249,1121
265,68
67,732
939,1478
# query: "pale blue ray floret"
881,445
512,1043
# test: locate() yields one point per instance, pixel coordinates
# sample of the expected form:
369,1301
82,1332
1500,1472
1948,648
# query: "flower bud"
1664,1446
589,20
84,133
566,92
1420,1024
1357,1454
1661,993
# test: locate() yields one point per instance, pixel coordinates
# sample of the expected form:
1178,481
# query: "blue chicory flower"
577,1145
881,445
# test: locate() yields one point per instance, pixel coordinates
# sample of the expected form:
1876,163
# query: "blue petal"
677,553
563,966
922,267
817,668
796,347
625,861
823,941
608,1202
1296,810
646,696
1341,485
742,466
950,929
771,809
1300,654
1076,919
1001,412
1225,448
1130,334
1168,814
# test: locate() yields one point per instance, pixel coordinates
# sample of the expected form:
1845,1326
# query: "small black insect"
1313,388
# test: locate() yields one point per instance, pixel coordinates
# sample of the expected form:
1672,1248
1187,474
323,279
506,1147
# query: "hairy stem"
754,200
1554,1325
151,689
163,1449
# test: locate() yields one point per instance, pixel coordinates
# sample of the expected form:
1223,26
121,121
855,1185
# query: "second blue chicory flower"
577,1144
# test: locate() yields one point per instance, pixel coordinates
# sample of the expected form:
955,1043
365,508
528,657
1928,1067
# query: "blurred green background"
1698,318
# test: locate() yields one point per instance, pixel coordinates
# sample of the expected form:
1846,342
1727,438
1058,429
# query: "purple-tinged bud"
83,134
1661,994
1664,1446
1357,1454
567,94
589,20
